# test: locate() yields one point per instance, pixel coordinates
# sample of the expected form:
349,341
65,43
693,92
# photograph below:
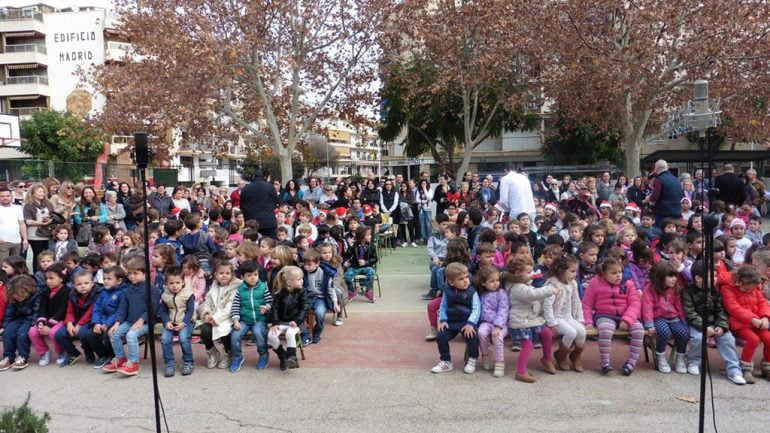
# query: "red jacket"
602,299
743,306
654,306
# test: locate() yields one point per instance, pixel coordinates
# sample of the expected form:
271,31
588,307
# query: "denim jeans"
259,335
16,338
132,341
319,308
67,343
185,342
351,273
725,345
426,223
436,274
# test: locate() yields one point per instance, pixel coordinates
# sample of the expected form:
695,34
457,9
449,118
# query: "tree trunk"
466,161
284,157
633,148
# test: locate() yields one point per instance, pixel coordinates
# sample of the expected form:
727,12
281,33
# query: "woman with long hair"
64,202
423,198
37,216
292,194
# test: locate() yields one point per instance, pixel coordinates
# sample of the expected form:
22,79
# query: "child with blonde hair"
290,307
564,313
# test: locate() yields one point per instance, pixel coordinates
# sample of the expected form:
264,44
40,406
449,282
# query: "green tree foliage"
582,143
714,136
23,420
61,137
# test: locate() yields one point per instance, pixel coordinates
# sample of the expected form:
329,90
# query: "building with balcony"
355,151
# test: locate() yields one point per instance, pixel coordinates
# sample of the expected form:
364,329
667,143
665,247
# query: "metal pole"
328,168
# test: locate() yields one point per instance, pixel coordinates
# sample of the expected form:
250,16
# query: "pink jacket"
602,299
654,306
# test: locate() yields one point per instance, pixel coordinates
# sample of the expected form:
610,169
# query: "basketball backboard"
9,130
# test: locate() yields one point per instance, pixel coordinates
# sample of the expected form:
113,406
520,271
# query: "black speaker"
141,149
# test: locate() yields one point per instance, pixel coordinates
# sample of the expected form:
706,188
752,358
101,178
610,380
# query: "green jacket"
247,303
692,300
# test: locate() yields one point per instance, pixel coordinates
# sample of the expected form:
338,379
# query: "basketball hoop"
5,141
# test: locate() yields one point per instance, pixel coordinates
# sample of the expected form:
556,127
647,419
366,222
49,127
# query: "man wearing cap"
666,194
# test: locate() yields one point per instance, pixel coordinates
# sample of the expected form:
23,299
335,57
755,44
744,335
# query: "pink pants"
485,335
433,307
39,340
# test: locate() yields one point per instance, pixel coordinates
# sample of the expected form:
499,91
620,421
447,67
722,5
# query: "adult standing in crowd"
604,188
516,194
37,216
258,202
177,198
314,191
235,196
64,202
636,192
440,194
160,201
292,194
754,182
666,194
13,231
701,186
370,194
730,186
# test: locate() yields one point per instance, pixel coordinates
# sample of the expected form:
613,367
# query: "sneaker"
414,245
693,369
235,364
442,367
663,366
470,366
681,365
627,369
45,359
264,361
486,362
225,361
129,369
112,366
187,368
20,363
213,358
404,245
352,295
5,364
101,362
317,339
169,371
306,341
60,358
606,369
499,369
516,347
338,321
538,346
370,296
432,334
737,378
291,361
69,360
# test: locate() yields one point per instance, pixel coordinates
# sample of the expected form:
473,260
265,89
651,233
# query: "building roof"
694,155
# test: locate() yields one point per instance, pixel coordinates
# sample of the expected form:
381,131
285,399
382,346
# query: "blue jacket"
78,216
460,306
669,202
200,244
328,274
133,306
176,243
24,311
106,306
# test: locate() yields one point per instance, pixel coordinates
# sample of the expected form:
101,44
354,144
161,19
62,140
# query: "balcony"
18,21
25,85
27,112
117,51
24,54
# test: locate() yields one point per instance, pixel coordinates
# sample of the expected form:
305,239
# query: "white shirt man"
516,195
13,231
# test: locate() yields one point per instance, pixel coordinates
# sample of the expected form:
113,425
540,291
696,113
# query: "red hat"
551,206
632,207
341,211
175,211
605,203
367,209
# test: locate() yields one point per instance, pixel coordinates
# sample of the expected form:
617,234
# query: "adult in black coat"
258,202
731,187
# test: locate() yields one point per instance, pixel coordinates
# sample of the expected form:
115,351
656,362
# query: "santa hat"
367,209
605,203
551,206
341,211
737,222
633,207
685,199
175,211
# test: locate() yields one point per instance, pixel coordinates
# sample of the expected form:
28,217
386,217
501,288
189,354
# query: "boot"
766,370
748,372
548,366
577,363
499,369
432,334
291,359
213,358
560,356
663,366
281,353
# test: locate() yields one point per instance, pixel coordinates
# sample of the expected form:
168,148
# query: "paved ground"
372,375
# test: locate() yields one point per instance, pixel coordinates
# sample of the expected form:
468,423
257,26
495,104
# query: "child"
663,315
749,313
215,314
266,247
198,242
50,317
103,316
101,241
459,313
78,319
131,321
588,252
194,278
251,304
20,314
282,256
564,313
694,302
627,238
329,257
754,233
742,243
318,286
62,241
575,238
610,306
173,231
44,260
361,260
437,244
131,246
494,318
289,309
648,224
177,305
525,319
231,252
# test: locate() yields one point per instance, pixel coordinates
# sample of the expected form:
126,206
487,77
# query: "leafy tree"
63,138
582,143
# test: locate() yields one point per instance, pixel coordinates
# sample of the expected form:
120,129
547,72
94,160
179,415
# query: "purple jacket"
494,308
638,276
